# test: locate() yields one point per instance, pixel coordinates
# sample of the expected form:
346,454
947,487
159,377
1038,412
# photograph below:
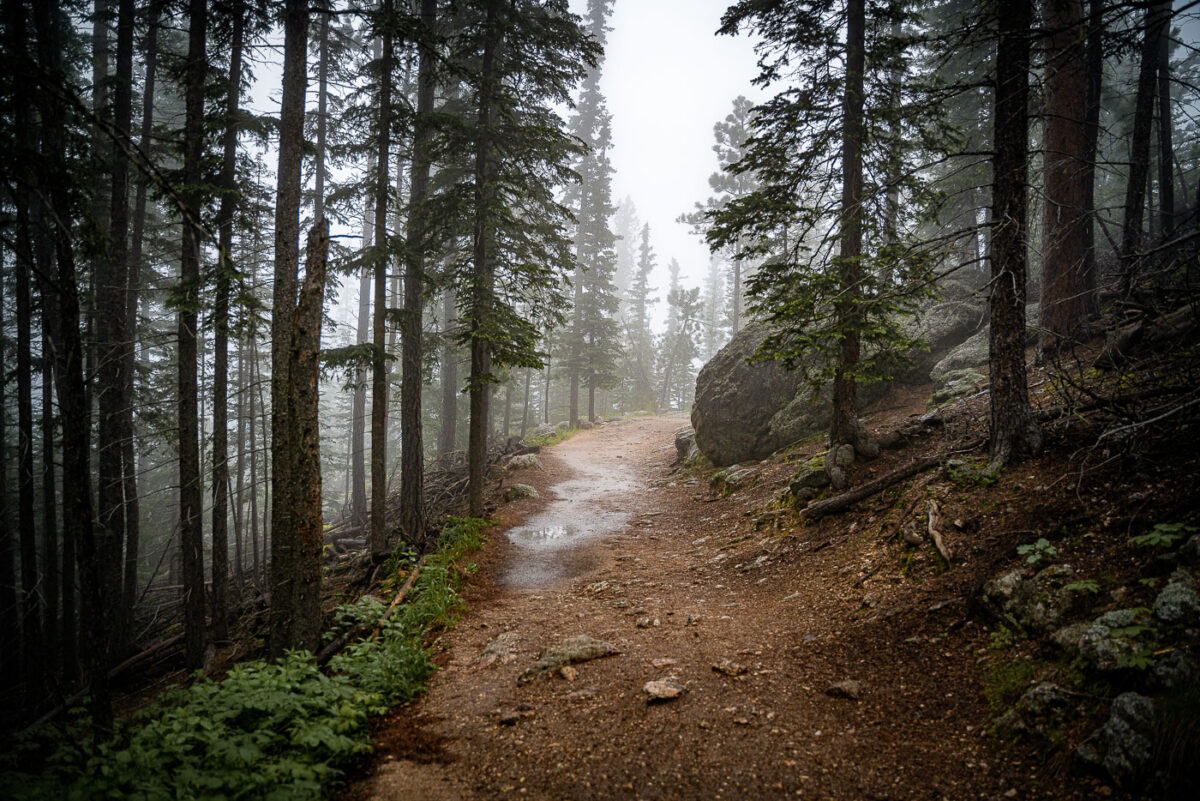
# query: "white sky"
668,79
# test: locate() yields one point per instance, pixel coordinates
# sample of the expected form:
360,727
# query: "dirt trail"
623,549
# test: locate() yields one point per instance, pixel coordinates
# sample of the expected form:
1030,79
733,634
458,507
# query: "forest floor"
756,614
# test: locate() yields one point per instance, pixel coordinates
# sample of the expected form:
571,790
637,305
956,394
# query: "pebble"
661,690
845,689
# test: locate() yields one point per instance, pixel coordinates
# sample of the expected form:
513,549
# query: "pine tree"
525,57
831,313
639,350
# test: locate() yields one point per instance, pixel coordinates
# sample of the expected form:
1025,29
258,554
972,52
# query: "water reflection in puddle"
585,508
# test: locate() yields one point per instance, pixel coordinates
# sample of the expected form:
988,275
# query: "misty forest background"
224,332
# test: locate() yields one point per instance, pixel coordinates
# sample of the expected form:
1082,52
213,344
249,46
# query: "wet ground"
756,626
551,545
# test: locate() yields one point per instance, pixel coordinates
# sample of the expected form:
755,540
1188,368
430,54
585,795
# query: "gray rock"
585,425
811,476
1105,651
685,440
1068,637
526,461
942,326
515,492
1124,745
662,690
542,432
572,650
957,384
1035,713
1189,552
843,457
837,477
500,650
848,688
1174,671
744,411
973,352
1178,601
1038,603
563,426
743,477
728,668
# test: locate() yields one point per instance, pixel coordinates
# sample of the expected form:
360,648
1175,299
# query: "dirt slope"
683,575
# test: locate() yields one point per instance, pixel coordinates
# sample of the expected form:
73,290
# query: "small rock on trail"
845,689
572,650
662,690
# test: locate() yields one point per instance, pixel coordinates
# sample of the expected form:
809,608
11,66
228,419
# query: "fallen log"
847,499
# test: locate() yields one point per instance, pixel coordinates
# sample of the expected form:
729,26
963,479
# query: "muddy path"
623,547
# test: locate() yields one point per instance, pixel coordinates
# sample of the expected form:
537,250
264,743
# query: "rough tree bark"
358,407
129,584
412,447
1094,56
448,432
844,427
78,510
225,271
1157,17
305,445
1166,148
378,539
191,535
1013,427
286,522
481,289
1064,297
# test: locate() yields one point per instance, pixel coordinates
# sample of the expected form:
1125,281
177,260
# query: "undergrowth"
275,731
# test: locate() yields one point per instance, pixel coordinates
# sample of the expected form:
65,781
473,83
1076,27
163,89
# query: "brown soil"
730,579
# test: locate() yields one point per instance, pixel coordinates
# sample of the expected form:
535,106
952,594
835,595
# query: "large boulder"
973,352
942,327
746,411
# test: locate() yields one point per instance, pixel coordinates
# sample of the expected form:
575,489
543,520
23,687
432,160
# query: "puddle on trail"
551,545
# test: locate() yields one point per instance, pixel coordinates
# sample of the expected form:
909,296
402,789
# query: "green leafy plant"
1163,535
1083,585
281,730
1034,552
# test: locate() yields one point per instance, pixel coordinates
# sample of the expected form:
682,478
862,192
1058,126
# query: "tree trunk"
378,539
546,393
1166,149
60,585
844,426
481,290
1094,56
1013,427
412,446
448,433
239,493
190,497
1139,146
306,532
286,522
1064,297
322,111
525,405
358,408
225,273
129,584
22,624
10,614
72,393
